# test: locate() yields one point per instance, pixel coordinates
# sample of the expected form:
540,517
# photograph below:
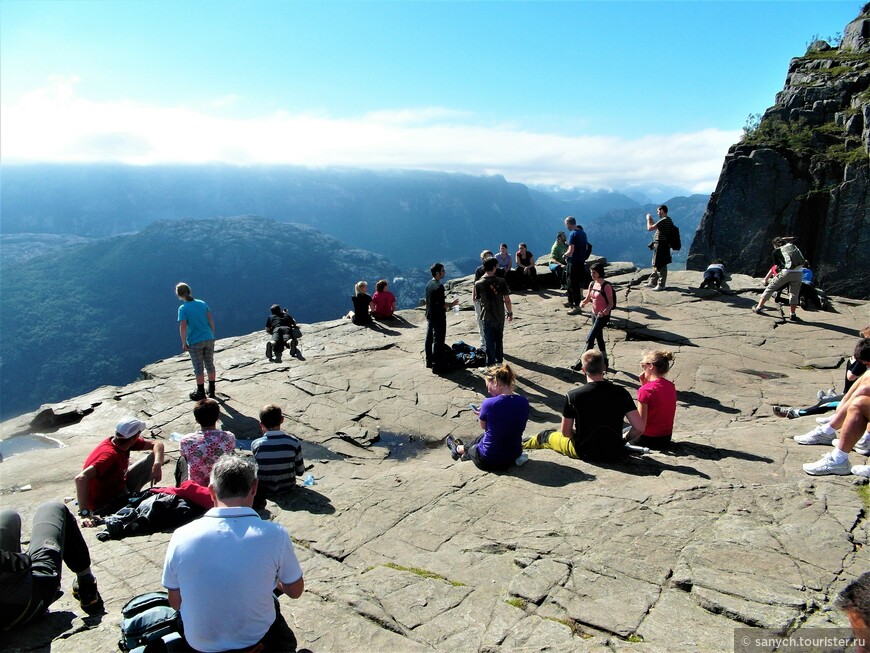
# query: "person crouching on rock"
503,418
789,263
714,274
280,325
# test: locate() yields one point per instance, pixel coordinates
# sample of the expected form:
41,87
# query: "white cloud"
55,124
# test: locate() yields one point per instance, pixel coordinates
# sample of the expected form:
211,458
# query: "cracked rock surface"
405,550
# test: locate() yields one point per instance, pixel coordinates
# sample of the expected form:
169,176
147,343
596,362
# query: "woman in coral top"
656,400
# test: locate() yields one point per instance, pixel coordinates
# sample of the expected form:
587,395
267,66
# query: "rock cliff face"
803,170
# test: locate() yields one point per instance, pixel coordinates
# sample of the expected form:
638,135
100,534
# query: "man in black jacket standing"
436,314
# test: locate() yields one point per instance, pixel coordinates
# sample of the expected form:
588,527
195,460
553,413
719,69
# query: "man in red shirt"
105,481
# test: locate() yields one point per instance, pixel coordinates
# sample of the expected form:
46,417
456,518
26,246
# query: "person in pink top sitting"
200,450
656,400
383,301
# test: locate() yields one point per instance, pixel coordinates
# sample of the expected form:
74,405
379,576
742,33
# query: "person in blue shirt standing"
575,271
196,327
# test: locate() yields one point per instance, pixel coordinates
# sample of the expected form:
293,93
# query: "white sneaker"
821,394
861,470
816,436
826,466
862,446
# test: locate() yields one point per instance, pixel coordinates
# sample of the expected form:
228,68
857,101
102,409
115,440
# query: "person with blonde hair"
503,418
656,400
361,302
196,327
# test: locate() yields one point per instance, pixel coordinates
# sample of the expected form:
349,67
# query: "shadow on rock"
396,321
707,452
242,426
645,466
550,474
540,368
380,328
36,636
690,398
304,498
650,313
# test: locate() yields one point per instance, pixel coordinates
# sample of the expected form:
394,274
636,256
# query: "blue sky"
599,94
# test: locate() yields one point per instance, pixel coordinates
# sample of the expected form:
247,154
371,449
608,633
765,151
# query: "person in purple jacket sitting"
503,418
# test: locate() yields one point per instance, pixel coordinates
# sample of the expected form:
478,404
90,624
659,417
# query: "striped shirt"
279,459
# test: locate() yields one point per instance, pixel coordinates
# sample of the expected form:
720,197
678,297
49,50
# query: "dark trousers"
55,537
282,335
280,638
436,332
597,333
493,338
137,476
578,278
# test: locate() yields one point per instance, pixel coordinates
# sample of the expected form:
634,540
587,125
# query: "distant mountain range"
96,313
412,217
90,254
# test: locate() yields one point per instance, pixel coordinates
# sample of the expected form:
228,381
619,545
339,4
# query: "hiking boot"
817,436
783,411
826,466
861,470
862,446
196,395
85,590
568,305
451,444
795,318
269,350
537,441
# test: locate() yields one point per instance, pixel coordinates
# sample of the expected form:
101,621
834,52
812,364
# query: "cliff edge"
802,169
405,550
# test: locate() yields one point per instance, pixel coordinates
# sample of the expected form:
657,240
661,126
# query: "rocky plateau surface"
405,550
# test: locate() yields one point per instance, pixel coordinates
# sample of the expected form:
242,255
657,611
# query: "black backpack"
674,238
604,285
149,624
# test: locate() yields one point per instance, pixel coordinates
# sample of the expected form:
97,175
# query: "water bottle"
309,480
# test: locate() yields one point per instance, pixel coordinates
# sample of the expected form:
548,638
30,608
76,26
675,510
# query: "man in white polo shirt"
231,549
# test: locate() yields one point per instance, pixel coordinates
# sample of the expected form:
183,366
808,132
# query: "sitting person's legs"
554,440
